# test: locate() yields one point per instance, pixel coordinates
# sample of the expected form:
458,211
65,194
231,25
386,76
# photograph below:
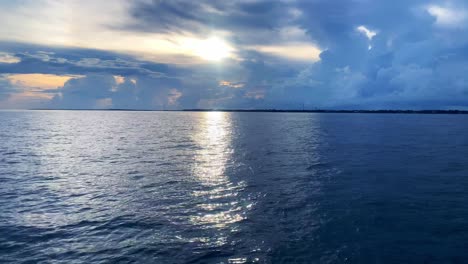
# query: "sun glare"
213,49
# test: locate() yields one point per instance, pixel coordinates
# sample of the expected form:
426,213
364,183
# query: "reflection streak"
220,206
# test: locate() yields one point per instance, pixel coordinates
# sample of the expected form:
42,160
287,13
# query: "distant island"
282,111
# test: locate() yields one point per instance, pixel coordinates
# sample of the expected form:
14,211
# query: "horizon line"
357,111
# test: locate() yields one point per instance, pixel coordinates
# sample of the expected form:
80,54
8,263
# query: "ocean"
216,187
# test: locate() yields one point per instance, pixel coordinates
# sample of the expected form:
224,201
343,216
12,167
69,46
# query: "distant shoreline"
280,111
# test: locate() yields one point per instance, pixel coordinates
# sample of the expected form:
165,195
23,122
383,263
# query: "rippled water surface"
182,187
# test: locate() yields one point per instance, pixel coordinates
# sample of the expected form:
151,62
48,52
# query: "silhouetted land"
289,111
338,111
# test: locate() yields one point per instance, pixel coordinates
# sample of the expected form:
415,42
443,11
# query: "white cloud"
8,58
448,16
301,52
367,32
292,43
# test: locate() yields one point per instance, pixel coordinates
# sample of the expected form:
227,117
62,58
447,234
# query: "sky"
249,54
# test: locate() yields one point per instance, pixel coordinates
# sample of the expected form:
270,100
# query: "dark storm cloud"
182,15
250,22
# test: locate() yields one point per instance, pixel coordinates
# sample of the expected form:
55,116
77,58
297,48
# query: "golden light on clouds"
40,81
119,79
28,95
235,85
8,58
296,52
31,88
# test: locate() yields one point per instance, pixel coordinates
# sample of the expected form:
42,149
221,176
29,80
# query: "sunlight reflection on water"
214,138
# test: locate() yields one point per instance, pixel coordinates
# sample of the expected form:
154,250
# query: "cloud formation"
234,54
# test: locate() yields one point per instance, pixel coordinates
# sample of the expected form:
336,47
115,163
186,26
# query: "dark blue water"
158,187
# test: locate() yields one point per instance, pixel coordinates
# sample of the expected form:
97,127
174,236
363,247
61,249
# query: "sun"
213,49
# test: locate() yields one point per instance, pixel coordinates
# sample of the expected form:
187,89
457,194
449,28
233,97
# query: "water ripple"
105,187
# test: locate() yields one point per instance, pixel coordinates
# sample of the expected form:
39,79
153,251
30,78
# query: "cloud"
295,52
234,85
87,92
448,16
173,97
108,91
40,81
8,58
5,88
258,94
89,24
367,32
281,54
62,61
14,95
30,90
119,79
163,31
